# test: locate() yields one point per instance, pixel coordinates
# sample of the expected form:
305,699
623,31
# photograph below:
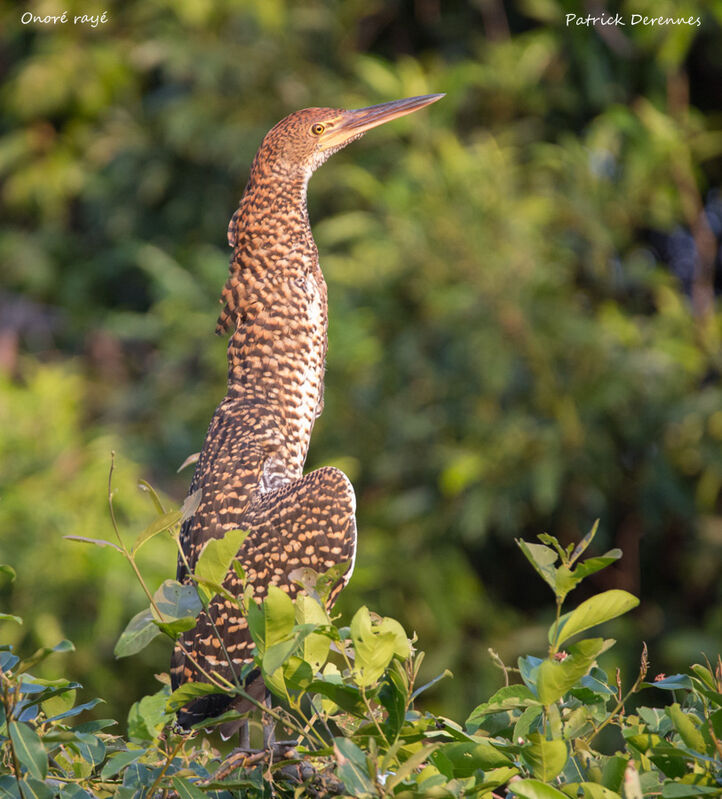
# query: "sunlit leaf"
686,728
596,610
545,758
535,789
216,557
542,558
375,645
279,616
116,763
555,678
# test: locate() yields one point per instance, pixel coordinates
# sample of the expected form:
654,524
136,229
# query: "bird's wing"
308,522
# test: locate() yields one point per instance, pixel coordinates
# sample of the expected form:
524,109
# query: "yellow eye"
317,129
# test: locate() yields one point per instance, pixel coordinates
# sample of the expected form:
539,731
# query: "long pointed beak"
351,124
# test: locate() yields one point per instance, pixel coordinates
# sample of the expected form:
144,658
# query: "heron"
250,470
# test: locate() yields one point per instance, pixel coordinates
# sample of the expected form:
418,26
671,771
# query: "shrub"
348,695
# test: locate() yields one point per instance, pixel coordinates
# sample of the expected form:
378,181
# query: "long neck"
276,305
273,207
268,290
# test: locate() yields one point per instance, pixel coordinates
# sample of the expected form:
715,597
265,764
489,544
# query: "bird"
250,470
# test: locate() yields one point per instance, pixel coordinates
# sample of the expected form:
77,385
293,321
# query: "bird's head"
301,142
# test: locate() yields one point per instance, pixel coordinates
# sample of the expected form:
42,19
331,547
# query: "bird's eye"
317,129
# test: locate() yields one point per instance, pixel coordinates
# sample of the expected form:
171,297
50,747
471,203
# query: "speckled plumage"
250,470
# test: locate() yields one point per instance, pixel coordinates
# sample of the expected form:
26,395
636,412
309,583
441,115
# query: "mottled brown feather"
250,467
250,470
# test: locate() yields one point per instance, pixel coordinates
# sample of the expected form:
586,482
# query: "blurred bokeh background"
524,305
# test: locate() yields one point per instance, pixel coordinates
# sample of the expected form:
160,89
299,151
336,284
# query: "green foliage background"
509,350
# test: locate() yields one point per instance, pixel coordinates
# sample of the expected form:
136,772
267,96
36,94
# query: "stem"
553,648
619,706
13,754
168,761
123,547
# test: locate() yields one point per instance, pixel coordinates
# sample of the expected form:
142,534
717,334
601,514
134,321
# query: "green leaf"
175,600
431,683
352,767
74,791
542,558
468,756
29,749
119,761
141,630
316,646
190,505
705,675
534,789
680,790
409,766
686,728
216,557
9,617
593,790
529,670
275,656
279,616
596,610
160,525
8,571
89,747
59,703
346,697
394,695
36,789
144,485
39,655
529,719
297,674
147,717
75,711
585,542
675,682
592,565
555,678
174,628
546,759
99,542
208,589
186,789
9,787
507,698
188,691
375,645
